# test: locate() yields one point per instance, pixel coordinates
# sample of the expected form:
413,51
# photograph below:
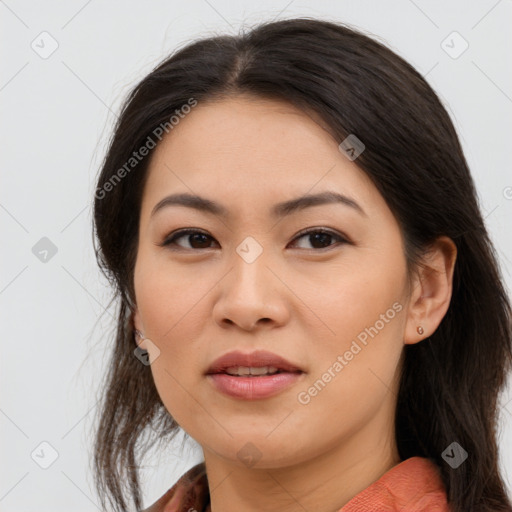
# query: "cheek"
364,310
176,393
355,371
173,312
171,317
165,296
351,399
367,293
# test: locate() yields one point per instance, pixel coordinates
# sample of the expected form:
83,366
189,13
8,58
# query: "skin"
299,300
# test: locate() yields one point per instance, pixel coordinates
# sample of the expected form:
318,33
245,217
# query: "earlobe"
139,330
431,291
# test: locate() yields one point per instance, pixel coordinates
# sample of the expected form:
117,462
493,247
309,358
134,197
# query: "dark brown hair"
451,381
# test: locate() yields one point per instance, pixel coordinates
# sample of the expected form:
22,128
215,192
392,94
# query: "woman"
306,285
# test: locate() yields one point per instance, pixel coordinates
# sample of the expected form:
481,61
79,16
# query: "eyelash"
171,239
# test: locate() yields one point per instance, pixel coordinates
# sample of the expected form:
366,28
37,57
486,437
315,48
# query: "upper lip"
255,359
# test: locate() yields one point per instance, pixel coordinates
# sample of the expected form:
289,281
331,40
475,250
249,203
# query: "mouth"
254,364
253,371
253,376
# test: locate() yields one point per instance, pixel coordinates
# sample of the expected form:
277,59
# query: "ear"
431,290
137,322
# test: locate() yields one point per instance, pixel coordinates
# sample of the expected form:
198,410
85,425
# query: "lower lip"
253,388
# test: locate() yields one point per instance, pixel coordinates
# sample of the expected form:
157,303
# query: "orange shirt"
414,485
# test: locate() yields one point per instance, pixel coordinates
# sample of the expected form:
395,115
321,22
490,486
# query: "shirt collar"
414,482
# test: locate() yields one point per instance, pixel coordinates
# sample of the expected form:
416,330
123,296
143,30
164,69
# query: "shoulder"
415,484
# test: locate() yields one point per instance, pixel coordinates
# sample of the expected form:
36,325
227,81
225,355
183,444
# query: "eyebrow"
279,210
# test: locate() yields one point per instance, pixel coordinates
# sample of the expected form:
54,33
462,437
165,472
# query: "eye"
194,237
318,238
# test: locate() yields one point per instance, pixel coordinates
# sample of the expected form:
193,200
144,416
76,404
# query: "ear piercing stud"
420,329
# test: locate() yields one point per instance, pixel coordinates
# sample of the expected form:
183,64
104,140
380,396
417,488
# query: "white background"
57,115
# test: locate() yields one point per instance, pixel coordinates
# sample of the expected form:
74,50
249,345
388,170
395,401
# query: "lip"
256,359
255,387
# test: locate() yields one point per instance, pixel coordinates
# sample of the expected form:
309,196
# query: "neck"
324,483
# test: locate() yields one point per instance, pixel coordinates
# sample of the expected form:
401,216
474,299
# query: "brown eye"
196,239
320,238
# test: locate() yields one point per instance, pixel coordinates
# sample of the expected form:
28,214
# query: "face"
323,286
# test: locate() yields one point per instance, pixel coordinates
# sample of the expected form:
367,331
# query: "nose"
251,295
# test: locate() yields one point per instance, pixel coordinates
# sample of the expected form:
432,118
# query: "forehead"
241,125
252,149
